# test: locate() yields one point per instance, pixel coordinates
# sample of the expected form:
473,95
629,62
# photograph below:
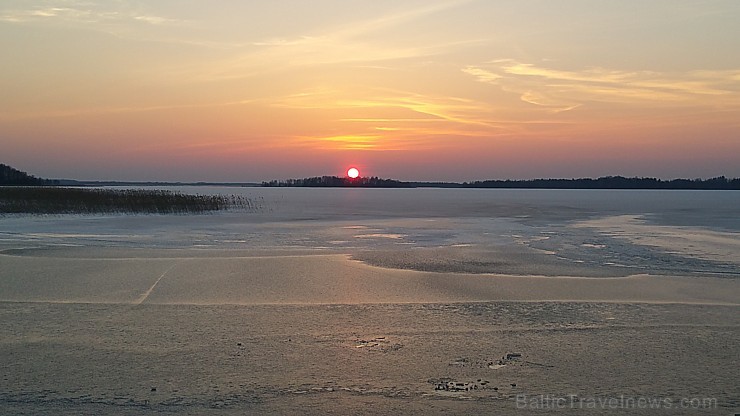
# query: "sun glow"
353,173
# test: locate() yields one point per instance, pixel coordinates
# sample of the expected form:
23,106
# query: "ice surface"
367,301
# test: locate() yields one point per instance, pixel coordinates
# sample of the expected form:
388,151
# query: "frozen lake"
587,233
334,300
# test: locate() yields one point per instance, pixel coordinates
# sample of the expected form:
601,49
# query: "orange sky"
416,90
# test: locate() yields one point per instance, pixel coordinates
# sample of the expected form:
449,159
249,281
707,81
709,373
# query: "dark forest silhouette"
610,182
606,182
13,177
339,182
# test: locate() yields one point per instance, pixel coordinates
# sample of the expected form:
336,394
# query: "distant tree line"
339,182
610,182
13,177
606,182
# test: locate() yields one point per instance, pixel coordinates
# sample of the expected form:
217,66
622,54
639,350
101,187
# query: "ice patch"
590,245
381,235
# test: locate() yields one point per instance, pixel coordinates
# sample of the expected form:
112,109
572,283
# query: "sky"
442,90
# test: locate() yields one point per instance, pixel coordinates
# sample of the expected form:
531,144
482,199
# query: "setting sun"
353,173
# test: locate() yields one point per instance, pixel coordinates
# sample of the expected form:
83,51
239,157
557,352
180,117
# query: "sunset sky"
247,90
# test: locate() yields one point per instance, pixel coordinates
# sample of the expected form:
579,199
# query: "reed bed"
64,200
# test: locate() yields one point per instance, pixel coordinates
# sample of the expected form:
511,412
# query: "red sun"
353,173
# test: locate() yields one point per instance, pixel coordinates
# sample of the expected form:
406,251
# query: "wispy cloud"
394,18
388,119
362,42
284,55
424,106
562,90
81,12
482,75
344,142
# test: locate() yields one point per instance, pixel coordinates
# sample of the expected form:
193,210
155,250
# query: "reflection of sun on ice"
353,173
